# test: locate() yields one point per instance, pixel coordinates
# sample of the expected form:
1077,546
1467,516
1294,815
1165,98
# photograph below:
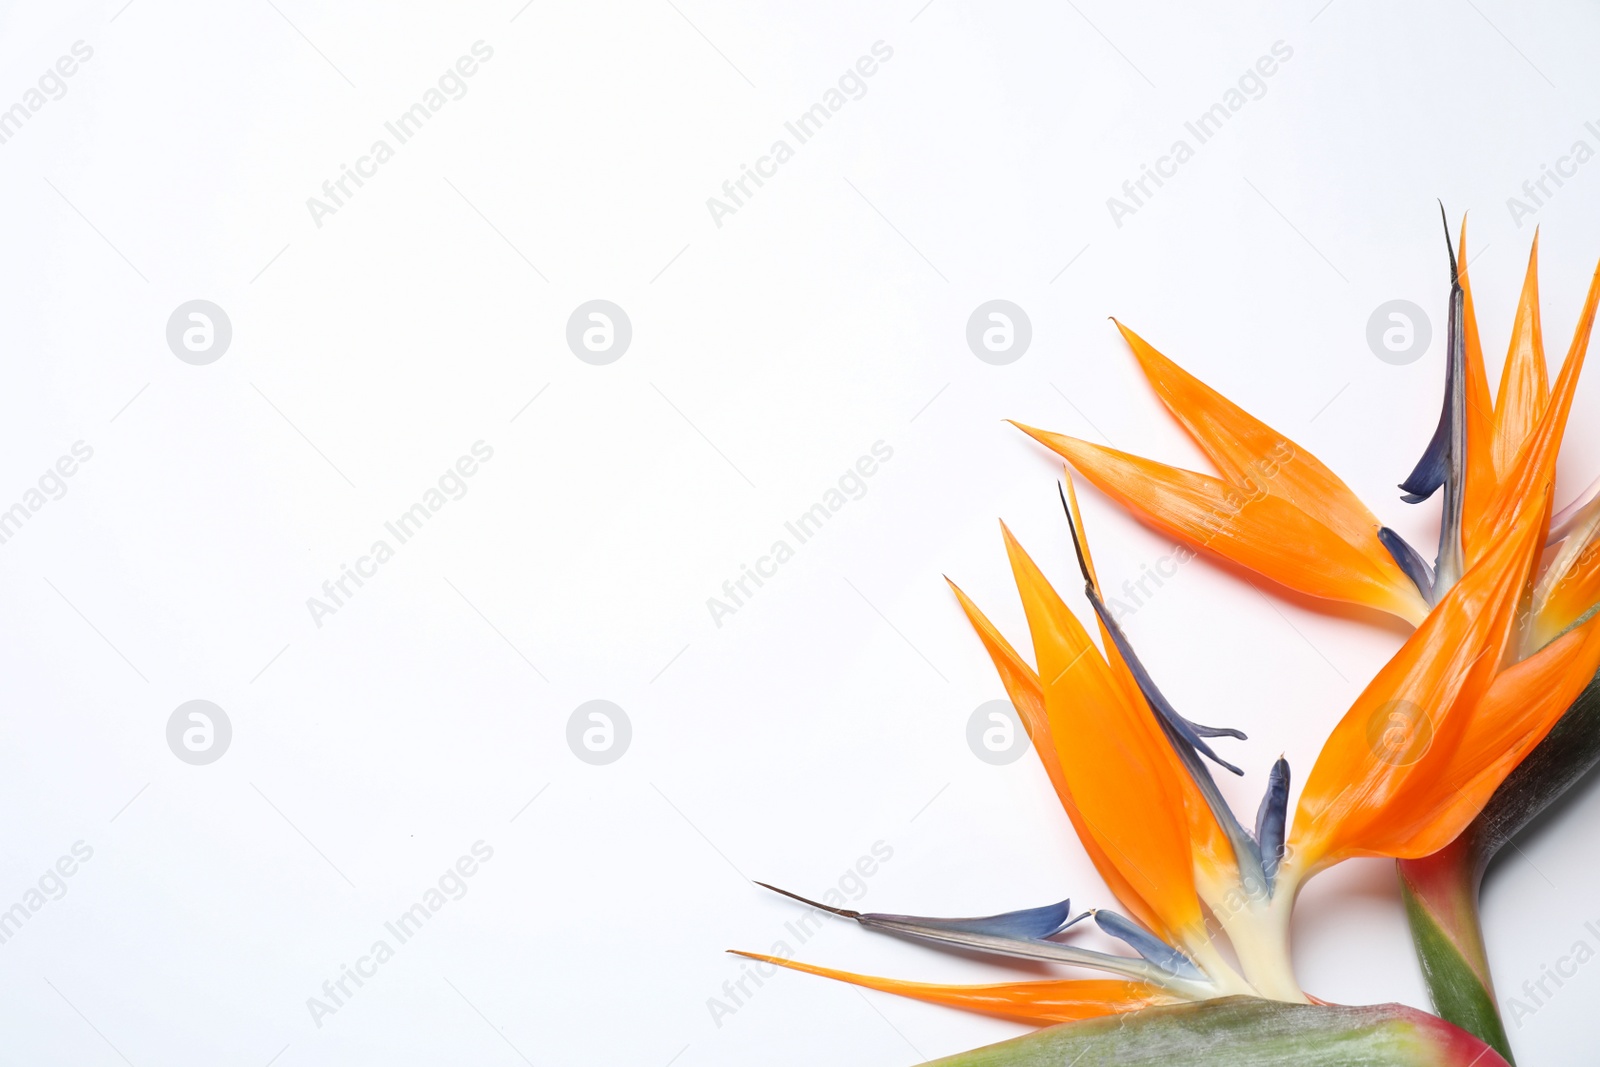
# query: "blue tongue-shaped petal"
1434,468
1147,944
1027,924
1410,560
1272,818
1183,735
1019,934
1190,732
1444,461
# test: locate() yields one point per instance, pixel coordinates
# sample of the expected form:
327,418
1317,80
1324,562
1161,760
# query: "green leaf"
1243,1032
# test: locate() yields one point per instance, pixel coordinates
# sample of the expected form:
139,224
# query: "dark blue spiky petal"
1191,732
1410,561
1147,944
1272,819
1183,735
1018,934
1444,461
1027,923
1433,469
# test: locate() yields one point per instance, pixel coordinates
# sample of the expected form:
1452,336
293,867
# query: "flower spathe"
1276,508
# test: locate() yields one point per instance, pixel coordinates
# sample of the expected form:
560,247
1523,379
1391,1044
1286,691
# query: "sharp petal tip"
1449,244
842,912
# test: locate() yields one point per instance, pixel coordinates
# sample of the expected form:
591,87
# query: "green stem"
1441,897
1442,891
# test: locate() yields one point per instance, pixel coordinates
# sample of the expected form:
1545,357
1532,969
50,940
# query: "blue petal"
1147,944
1191,732
1183,735
1271,819
1444,461
1450,563
1410,561
1027,924
1434,466
1008,934
1433,469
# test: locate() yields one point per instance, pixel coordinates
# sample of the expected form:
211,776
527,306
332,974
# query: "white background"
768,354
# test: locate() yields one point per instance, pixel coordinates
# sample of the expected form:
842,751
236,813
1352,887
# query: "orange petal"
1481,477
1252,455
1520,708
1524,381
1020,680
1039,1003
1117,764
1535,468
1571,597
1366,795
1257,530
1027,696
1216,867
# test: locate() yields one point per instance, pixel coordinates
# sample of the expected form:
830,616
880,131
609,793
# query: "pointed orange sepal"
1253,456
1247,525
1520,708
1027,696
1038,1003
1216,868
1372,791
1481,478
1120,768
1571,597
1535,467
1524,381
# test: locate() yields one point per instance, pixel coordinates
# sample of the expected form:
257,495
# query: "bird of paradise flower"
1499,653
